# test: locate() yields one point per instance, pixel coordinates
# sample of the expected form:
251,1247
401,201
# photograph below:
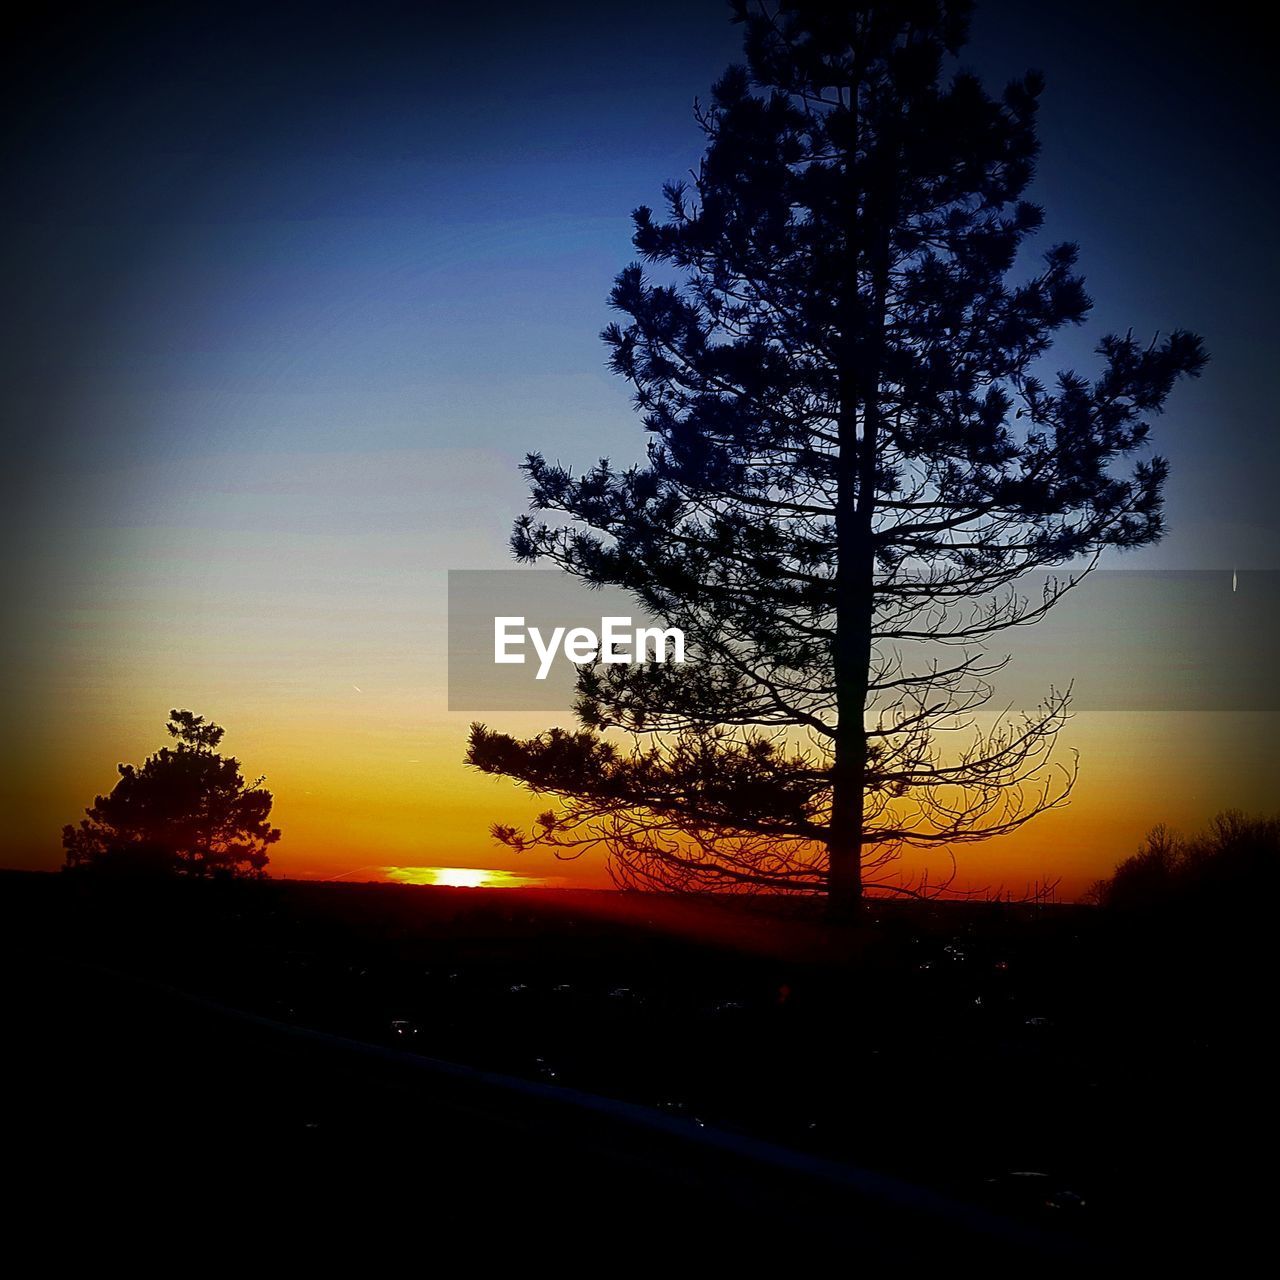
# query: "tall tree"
853,462
186,811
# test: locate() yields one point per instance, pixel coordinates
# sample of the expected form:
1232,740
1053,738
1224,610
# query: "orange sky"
268,376
340,699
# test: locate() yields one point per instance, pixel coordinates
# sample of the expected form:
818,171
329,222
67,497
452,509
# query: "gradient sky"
292,288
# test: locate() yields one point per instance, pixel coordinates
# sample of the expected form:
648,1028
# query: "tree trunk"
844,843
858,377
854,580
852,665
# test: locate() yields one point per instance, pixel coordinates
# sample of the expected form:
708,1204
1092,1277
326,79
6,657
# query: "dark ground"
944,1082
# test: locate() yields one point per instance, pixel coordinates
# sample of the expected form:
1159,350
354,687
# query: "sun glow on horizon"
463,877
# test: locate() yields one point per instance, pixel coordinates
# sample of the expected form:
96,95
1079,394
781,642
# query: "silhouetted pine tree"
852,462
187,811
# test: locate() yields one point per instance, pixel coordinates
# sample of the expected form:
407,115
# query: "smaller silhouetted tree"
186,812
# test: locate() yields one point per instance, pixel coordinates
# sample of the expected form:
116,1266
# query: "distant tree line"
1234,861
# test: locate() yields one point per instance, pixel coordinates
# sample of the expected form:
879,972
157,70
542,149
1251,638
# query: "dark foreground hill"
945,1080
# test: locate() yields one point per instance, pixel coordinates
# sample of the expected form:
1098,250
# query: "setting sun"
462,877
